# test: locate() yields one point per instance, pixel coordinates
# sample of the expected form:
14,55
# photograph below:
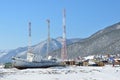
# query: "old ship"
35,61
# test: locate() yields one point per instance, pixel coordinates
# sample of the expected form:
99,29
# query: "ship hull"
23,64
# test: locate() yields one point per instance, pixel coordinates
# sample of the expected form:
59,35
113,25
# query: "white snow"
68,73
2,54
89,57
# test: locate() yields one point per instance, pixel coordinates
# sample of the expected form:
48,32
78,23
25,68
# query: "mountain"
6,56
105,41
38,49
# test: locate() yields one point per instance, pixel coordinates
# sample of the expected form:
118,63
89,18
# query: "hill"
105,41
38,49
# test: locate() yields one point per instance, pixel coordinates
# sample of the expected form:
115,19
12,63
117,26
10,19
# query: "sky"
83,18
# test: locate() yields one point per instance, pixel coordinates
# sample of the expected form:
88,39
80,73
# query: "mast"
29,53
48,40
64,49
29,40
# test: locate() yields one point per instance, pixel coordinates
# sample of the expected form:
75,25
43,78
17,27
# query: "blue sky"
83,18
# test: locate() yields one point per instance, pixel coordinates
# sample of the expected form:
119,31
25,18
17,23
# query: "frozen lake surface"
63,73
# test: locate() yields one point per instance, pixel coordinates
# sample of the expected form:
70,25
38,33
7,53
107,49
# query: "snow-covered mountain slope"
105,41
7,55
39,49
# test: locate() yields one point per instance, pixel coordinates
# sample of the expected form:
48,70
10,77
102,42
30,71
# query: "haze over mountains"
105,41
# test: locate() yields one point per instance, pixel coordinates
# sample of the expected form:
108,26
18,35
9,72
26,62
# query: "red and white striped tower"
64,49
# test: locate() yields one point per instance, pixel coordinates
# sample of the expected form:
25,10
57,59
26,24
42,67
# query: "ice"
65,73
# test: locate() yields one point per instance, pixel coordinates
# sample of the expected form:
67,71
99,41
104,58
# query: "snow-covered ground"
68,73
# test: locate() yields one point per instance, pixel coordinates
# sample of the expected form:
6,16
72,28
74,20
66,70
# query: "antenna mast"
64,49
48,40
